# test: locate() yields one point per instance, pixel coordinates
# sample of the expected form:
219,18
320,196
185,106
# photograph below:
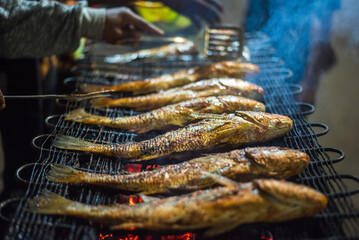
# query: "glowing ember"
185,236
133,167
152,167
134,199
102,237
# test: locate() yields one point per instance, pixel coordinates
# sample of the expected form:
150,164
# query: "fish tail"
72,143
48,203
77,114
64,174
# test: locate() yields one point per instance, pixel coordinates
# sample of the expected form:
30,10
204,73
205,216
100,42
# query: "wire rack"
339,220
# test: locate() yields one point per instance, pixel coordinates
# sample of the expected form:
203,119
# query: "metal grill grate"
339,220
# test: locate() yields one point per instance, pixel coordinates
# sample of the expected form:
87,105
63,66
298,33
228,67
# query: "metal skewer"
70,97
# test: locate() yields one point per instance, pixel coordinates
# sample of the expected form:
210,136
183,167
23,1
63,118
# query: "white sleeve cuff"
93,22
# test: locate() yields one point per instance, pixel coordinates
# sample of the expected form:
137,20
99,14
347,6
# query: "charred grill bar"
339,219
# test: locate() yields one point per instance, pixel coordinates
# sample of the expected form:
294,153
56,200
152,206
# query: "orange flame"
131,201
129,237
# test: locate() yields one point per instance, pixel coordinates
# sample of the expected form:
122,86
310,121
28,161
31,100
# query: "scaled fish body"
226,69
240,165
220,209
205,88
226,130
179,114
158,52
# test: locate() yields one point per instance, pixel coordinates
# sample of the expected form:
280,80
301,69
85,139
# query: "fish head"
273,125
277,161
295,200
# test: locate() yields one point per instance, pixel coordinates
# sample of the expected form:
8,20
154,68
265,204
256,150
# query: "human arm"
37,29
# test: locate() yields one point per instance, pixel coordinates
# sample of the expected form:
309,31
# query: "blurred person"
37,29
300,32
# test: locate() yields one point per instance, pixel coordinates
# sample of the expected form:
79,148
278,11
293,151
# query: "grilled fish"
227,69
205,88
218,210
226,130
240,165
179,114
187,47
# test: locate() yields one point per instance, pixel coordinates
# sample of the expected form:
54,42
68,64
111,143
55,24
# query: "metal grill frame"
340,220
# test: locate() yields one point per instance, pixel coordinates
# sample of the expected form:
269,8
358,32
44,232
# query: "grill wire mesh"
339,220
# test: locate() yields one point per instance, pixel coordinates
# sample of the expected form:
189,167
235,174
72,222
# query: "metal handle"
69,97
336,150
278,73
21,171
295,88
321,125
55,118
5,204
310,107
42,138
327,150
349,192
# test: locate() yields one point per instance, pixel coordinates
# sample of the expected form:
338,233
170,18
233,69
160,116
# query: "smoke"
346,23
294,27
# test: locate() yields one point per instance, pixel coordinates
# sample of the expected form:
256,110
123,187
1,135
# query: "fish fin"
249,118
147,199
69,142
216,230
48,203
88,87
77,114
138,131
222,180
199,116
222,134
64,174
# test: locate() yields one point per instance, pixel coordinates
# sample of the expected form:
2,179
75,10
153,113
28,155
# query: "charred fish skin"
240,165
225,130
177,114
159,52
226,69
204,88
262,200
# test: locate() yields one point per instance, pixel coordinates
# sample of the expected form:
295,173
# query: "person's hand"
124,26
197,10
